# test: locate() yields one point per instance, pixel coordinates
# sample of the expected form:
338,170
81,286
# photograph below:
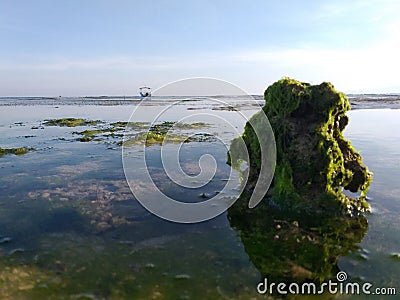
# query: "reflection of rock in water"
294,248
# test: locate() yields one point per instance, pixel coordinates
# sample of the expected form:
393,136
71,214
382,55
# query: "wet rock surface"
314,161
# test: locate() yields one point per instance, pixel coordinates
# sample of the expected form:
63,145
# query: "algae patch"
135,133
15,151
70,122
112,130
168,132
89,135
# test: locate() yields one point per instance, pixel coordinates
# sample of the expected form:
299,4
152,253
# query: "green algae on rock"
70,122
166,133
15,151
112,130
314,161
87,135
136,133
131,125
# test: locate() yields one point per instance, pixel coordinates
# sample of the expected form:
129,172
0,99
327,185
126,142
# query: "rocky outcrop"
303,225
314,161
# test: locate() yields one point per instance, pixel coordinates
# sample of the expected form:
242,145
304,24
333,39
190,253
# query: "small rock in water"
5,240
84,296
362,256
46,195
182,276
103,226
395,255
16,251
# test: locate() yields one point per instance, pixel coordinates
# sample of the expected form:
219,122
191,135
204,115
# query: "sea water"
70,226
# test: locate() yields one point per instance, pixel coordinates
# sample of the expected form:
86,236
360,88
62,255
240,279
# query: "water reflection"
294,248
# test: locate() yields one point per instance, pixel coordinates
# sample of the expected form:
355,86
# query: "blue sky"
85,47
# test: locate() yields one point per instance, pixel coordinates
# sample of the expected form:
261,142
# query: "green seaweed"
70,122
88,135
112,130
314,161
152,138
165,132
120,125
15,151
166,126
156,135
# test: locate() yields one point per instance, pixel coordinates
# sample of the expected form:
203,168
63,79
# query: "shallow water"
71,228
375,134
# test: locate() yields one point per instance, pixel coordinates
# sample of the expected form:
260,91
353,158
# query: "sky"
97,47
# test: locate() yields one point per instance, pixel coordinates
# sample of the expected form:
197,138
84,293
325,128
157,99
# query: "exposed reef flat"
135,133
373,101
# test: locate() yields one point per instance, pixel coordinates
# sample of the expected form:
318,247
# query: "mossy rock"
314,161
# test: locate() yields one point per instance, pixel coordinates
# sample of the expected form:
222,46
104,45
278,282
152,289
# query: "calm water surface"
71,229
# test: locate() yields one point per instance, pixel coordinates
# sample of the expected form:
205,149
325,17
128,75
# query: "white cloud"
362,69
350,69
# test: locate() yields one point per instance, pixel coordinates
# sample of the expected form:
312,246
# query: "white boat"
145,91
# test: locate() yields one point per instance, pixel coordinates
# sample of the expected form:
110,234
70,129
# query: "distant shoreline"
358,101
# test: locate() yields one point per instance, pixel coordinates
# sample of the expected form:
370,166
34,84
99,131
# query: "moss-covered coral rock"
15,151
314,161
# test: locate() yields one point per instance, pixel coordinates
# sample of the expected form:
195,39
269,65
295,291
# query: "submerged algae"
72,266
314,161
